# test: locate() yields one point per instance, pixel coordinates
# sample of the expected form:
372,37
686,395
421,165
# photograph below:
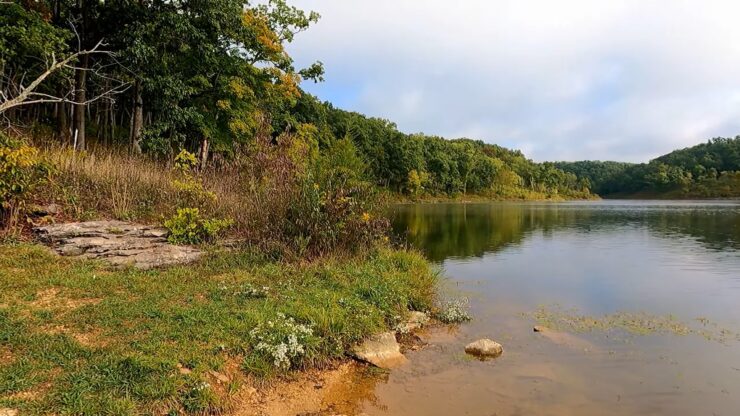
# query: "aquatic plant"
634,323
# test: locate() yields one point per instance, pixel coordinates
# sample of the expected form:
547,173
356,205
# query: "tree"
31,52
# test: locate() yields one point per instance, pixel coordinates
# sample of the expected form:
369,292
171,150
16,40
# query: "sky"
560,80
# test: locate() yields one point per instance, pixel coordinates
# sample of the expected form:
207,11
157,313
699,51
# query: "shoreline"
398,199
194,338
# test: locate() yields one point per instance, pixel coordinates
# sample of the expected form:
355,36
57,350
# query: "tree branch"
25,94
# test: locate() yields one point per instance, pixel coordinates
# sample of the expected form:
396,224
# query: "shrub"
282,342
191,192
21,170
187,227
333,207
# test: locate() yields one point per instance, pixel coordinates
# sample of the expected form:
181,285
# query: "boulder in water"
484,348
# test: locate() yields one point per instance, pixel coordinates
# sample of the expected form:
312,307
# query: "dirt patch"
51,299
339,390
6,355
91,338
37,392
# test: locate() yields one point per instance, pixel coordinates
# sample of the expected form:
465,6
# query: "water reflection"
446,231
672,259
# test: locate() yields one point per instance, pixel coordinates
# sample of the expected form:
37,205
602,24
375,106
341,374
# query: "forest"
707,170
157,77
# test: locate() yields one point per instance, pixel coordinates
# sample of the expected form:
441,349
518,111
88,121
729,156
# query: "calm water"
661,258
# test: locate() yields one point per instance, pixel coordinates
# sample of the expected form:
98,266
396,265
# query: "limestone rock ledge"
119,243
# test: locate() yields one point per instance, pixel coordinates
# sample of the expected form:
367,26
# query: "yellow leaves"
304,144
223,104
288,85
239,88
238,126
18,158
194,190
21,169
265,37
184,161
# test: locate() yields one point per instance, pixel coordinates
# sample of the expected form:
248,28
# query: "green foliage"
333,213
27,42
190,190
416,182
600,174
705,170
187,227
185,161
426,165
21,171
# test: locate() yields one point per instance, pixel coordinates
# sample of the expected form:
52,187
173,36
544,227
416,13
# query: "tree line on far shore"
707,170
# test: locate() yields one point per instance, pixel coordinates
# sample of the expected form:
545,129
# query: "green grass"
79,338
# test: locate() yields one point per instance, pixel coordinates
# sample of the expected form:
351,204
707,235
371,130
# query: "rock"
119,243
8,412
42,211
415,321
540,328
484,348
380,350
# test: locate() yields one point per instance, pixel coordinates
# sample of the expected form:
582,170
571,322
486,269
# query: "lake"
643,298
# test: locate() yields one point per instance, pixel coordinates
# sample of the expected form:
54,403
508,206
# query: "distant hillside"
600,175
421,165
707,170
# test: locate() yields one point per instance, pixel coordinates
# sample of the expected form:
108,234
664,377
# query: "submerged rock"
540,328
484,348
119,243
380,350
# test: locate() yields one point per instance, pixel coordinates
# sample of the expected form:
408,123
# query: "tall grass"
275,197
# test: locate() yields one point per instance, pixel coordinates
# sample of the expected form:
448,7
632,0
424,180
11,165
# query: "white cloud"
625,80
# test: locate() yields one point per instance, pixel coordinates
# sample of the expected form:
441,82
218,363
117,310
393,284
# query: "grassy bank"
79,338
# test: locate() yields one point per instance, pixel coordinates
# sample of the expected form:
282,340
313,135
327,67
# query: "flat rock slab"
119,243
380,350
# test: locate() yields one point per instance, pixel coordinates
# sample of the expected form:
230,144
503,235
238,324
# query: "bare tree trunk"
80,97
204,145
137,118
62,122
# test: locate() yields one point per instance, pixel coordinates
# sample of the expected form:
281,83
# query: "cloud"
566,80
